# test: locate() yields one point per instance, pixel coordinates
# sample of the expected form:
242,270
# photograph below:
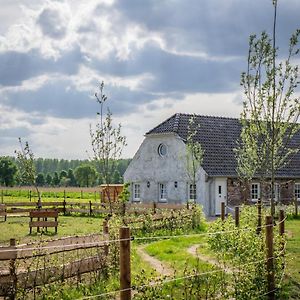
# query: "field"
168,255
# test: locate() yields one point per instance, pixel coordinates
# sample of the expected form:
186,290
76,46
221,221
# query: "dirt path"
156,264
194,250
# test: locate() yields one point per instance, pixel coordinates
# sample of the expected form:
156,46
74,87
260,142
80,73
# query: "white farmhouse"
158,170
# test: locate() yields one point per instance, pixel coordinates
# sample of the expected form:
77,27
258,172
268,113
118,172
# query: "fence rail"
89,208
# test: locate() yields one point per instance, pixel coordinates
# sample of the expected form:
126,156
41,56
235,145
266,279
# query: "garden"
174,254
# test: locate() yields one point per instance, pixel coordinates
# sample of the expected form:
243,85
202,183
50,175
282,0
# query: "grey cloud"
61,99
14,132
214,26
52,23
18,66
176,74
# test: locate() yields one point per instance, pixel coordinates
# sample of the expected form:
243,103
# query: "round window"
162,149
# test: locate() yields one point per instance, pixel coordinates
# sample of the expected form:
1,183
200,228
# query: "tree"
55,179
270,110
85,175
40,179
194,153
117,177
27,171
107,142
8,170
72,177
49,179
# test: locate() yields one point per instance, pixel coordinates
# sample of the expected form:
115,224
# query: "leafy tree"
40,179
55,180
107,141
271,109
72,177
117,177
27,172
8,170
85,175
48,179
194,152
63,173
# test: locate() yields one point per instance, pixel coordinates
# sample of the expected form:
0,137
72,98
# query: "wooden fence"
15,271
89,208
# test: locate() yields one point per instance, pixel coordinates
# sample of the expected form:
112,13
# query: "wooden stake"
258,229
12,271
2,194
281,222
154,207
105,232
296,207
237,216
270,258
125,274
223,211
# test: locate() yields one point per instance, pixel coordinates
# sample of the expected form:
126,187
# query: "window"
193,192
136,192
255,191
162,150
277,191
297,191
162,192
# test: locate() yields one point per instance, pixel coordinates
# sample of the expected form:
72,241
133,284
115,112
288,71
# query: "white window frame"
297,190
162,192
193,191
136,192
254,199
277,191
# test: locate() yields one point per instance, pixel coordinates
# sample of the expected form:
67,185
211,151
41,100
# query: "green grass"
18,228
174,252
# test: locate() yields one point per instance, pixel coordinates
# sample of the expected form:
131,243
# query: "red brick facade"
239,192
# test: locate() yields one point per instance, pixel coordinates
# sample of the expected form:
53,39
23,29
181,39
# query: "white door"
220,194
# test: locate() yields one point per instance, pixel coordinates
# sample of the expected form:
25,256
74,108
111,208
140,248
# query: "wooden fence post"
296,207
281,222
222,211
2,194
12,272
90,204
125,275
30,195
64,208
81,194
154,207
106,232
237,216
270,258
64,195
258,229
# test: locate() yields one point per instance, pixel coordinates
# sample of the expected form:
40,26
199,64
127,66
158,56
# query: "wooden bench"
44,215
3,212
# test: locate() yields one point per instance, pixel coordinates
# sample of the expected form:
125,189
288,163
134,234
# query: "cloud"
53,23
15,67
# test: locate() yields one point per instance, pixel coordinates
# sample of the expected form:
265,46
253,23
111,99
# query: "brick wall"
239,193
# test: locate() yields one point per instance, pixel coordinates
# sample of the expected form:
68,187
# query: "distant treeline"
60,172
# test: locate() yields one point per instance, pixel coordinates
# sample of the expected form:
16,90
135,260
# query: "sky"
156,58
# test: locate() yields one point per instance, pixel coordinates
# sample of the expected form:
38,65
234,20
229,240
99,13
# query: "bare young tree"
107,142
27,171
194,154
270,110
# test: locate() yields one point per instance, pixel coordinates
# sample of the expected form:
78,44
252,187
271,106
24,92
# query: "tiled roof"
218,137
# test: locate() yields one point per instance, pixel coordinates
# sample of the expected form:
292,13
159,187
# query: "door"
220,194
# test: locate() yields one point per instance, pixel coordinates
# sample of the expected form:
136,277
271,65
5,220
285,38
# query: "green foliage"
194,152
40,179
271,109
107,141
85,175
8,171
55,179
243,250
125,194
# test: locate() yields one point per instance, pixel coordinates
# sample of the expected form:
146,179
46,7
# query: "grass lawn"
17,227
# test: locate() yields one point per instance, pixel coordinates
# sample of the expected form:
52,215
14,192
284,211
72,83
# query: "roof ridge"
176,122
207,116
